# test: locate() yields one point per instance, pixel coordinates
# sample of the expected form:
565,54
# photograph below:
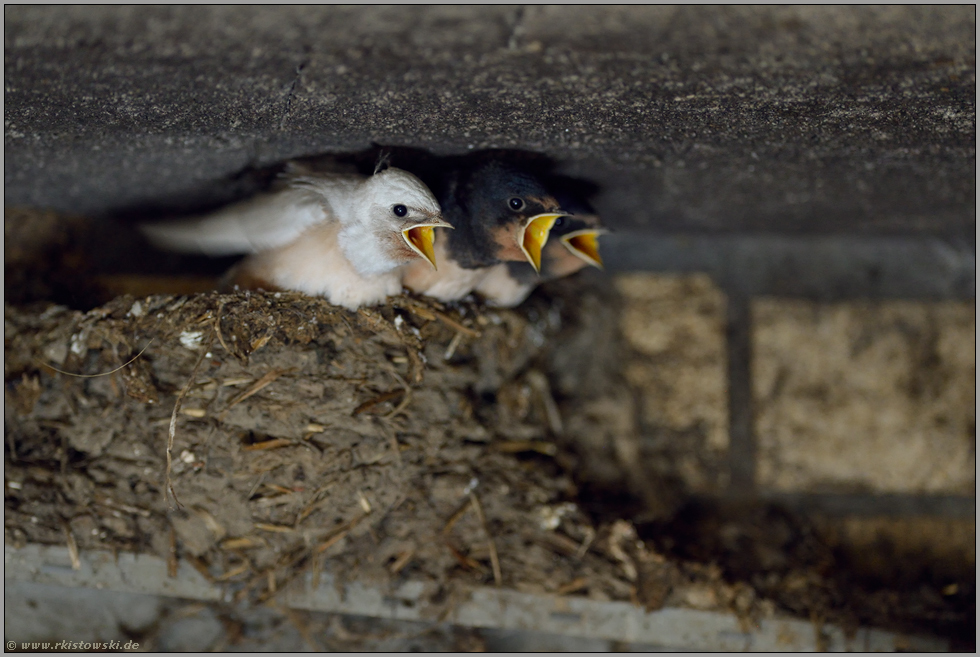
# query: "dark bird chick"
573,245
501,212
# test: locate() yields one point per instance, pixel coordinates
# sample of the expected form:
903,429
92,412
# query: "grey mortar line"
741,430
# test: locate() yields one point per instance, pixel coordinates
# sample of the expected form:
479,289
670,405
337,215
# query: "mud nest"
407,442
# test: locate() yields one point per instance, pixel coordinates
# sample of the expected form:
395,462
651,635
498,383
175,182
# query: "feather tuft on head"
384,161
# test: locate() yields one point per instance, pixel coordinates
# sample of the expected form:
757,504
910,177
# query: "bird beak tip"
585,245
420,239
534,235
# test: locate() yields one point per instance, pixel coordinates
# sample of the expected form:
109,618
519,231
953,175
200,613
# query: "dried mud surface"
312,438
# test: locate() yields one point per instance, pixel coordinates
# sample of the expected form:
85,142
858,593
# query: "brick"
865,396
674,328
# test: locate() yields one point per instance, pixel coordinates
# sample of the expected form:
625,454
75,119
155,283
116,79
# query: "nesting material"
266,436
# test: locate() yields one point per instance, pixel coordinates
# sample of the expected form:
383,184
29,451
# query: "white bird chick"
340,236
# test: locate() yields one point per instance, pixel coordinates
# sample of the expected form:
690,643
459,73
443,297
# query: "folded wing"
263,222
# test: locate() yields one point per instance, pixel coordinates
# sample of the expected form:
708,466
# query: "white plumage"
262,222
341,236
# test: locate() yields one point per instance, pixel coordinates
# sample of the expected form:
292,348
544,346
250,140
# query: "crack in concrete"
292,90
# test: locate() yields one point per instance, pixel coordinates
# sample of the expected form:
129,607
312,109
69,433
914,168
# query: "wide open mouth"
585,245
534,236
420,239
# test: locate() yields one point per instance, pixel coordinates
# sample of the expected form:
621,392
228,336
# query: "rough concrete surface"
44,612
41,612
789,119
877,397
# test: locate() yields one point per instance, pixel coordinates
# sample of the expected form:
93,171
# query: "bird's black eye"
400,210
516,203
559,222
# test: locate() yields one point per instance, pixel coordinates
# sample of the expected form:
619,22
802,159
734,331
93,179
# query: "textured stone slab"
878,397
487,607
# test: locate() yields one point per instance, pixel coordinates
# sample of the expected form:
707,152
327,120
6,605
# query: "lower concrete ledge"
485,607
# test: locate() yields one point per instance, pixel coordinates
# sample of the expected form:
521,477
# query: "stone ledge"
487,607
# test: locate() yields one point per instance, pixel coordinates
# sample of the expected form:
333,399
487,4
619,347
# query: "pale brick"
865,396
675,328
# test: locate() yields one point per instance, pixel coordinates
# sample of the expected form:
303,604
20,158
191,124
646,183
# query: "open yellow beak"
420,239
585,245
534,236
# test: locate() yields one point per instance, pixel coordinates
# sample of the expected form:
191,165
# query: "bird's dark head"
573,243
509,213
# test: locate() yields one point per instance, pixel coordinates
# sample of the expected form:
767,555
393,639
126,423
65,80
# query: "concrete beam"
855,120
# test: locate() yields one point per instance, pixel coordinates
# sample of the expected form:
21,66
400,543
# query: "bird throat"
366,251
